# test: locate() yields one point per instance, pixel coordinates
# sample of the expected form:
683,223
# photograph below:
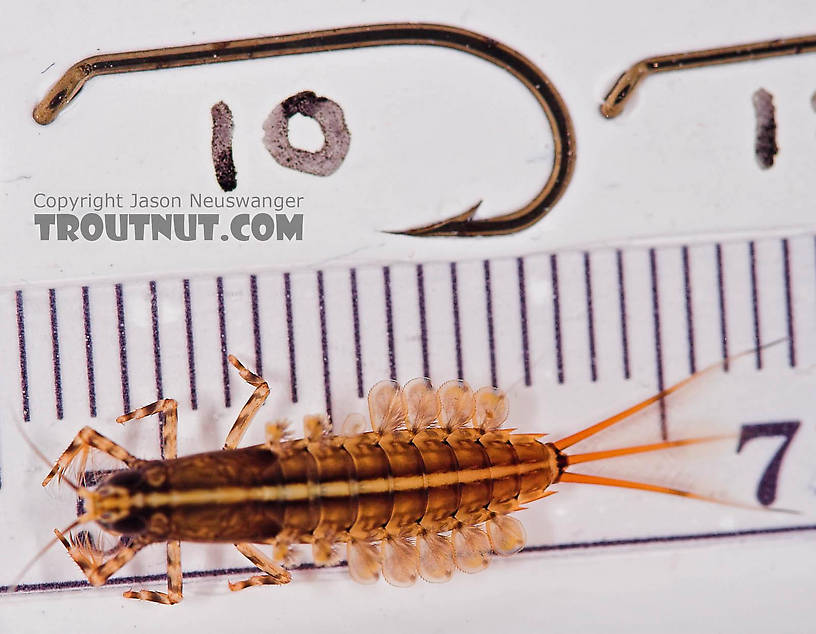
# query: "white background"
432,132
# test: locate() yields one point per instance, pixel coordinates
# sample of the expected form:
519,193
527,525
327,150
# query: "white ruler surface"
571,336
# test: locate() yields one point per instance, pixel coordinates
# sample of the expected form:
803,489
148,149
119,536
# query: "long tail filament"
578,478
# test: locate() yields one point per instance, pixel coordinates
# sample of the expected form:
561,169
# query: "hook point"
442,227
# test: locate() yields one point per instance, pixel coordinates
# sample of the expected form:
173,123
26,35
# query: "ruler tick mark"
389,323
593,368
290,335
324,342
423,324
721,302
89,357
789,319
188,325
559,357
55,351
689,310
157,364
657,341
256,324
123,361
755,305
21,342
222,336
525,338
355,318
491,339
622,309
457,334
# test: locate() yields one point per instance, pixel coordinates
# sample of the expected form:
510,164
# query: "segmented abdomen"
398,485
362,487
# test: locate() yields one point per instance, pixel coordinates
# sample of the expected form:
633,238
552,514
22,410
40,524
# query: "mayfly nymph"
431,488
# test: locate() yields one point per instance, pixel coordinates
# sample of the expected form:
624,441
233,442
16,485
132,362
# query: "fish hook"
617,97
363,36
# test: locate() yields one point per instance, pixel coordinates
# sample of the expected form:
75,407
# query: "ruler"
572,336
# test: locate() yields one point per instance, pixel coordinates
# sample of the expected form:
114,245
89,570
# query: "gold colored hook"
620,93
361,37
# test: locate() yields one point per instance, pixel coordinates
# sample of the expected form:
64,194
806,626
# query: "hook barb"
448,227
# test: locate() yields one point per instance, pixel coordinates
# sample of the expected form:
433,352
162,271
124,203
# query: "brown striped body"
362,487
430,489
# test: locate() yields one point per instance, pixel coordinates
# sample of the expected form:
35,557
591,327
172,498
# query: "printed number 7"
766,491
